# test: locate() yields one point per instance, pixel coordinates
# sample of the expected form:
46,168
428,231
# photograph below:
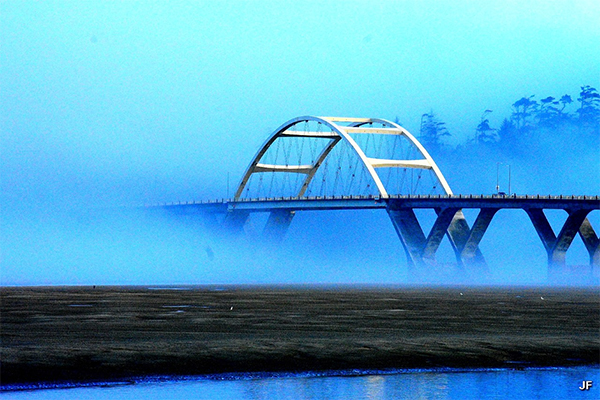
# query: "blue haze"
108,104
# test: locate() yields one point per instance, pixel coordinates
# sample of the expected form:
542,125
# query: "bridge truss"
339,156
332,156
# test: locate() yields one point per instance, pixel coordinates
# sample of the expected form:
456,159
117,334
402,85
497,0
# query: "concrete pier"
420,248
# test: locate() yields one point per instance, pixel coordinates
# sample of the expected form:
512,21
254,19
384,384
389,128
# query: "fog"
107,106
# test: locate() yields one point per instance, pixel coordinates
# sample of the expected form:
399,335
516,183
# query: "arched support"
319,162
340,133
428,160
419,249
557,245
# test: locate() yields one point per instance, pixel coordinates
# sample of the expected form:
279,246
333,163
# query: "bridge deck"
400,201
450,221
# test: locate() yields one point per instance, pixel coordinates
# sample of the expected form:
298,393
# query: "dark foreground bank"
108,333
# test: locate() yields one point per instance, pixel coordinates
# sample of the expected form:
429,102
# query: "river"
449,384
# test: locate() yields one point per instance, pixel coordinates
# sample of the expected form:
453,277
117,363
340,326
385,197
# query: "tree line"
530,121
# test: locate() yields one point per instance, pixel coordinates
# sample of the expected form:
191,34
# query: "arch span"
341,129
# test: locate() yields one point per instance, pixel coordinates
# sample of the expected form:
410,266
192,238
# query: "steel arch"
341,133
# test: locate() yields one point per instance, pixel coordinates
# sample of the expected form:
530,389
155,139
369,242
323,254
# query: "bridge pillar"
420,250
410,233
235,220
277,225
592,243
470,253
557,245
462,237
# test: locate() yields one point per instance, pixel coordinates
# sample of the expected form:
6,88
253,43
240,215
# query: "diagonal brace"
542,227
235,220
591,241
277,225
557,245
438,230
410,233
459,234
570,229
450,221
469,251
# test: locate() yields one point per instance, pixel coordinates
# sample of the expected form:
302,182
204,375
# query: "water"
546,383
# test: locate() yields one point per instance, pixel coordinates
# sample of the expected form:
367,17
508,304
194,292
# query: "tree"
565,100
522,116
548,115
484,133
432,131
507,134
589,110
563,116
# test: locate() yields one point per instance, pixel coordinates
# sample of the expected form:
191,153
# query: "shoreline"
80,334
236,376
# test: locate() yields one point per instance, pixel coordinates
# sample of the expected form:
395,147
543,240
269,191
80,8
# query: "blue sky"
121,103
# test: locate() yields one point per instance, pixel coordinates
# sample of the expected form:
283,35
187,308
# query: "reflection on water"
552,383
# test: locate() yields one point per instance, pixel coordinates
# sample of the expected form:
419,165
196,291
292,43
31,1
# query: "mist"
106,107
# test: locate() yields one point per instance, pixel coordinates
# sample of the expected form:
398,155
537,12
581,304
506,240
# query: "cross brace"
451,222
591,241
557,245
470,250
420,249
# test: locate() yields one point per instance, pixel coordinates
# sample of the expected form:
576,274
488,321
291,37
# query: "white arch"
342,133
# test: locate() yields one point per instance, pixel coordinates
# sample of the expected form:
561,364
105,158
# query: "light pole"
509,179
227,184
498,177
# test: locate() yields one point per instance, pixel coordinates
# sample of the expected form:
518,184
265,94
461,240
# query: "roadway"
394,202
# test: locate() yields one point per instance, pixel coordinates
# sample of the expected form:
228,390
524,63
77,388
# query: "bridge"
331,163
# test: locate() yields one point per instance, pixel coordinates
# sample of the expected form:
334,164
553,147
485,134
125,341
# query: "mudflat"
105,333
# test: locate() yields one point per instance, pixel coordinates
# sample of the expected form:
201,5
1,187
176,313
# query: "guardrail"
379,198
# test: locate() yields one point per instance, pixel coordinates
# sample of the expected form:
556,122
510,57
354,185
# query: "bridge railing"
379,198
419,196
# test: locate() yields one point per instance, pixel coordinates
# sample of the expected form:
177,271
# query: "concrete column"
592,243
542,227
567,234
468,253
459,234
235,221
420,250
277,225
557,245
410,233
438,230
